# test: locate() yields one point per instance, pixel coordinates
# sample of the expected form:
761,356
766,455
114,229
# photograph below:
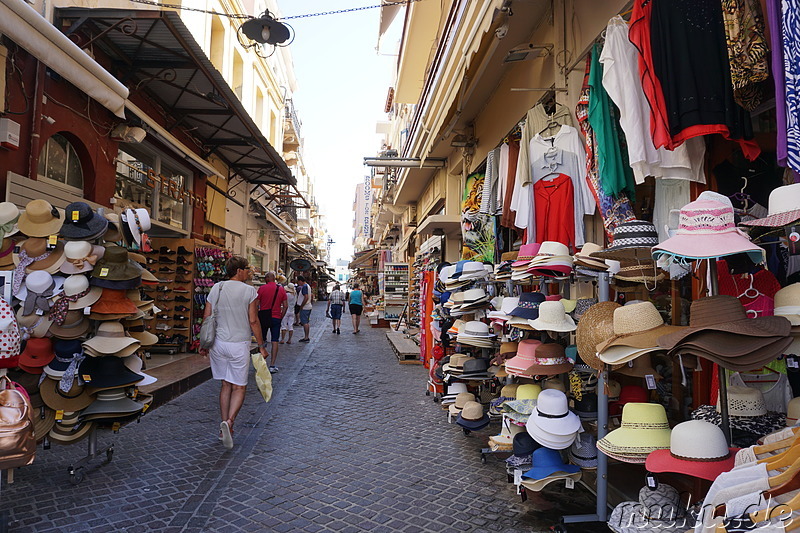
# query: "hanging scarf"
7,228
58,313
24,261
26,332
72,370
38,300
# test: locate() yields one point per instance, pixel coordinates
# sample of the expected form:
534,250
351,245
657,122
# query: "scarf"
72,370
19,272
7,228
38,300
58,313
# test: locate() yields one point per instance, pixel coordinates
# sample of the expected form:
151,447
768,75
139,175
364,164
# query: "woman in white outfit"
236,305
287,325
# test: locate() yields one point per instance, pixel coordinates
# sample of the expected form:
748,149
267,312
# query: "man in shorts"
304,301
272,306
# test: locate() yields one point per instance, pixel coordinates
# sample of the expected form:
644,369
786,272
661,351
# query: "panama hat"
472,416
80,256
82,223
644,429
9,215
637,326
138,222
658,509
70,430
75,399
787,303
783,207
596,326
707,230
553,317
549,359
111,402
37,247
40,219
632,240
552,415
584,259
110,339
697,448
461,399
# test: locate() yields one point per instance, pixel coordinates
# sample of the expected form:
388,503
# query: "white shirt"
623,84
230,302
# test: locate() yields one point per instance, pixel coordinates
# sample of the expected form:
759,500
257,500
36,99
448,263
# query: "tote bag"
263,377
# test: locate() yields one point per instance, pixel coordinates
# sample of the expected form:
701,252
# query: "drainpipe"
36,120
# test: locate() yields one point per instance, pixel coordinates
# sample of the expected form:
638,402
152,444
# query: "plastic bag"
263,377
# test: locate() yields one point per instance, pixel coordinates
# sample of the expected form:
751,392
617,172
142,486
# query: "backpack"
17,441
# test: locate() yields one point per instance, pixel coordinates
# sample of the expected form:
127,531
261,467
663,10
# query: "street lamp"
266,30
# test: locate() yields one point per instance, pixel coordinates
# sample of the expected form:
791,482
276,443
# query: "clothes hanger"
777,511
777,445
784,459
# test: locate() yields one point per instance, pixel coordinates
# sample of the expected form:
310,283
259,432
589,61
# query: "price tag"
75,216
87,310
651,481
791,362
17,249
517,476
39,312
570,483
651,381
52,241
59,415
115,427
104,272
793,238
87,378
145,408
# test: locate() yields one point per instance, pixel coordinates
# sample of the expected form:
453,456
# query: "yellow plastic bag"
263,377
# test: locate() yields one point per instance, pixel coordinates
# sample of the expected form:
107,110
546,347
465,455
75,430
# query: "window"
170,208
59,162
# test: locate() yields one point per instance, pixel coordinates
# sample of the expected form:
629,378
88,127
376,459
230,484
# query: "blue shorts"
336,311
305,316
271,324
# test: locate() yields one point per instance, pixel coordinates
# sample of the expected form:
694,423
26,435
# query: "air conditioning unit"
412,216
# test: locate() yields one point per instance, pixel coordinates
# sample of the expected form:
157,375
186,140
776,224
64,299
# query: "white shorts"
230,361
287,324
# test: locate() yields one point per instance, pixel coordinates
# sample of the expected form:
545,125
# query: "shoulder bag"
17,440
208,331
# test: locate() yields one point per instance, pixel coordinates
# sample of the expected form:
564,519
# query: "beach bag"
17,441
263,376
208,331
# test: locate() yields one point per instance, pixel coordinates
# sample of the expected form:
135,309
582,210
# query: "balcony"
291,129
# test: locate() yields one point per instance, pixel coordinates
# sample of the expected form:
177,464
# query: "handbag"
208,331
263,376
17,441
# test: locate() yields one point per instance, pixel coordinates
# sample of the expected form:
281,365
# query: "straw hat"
632,240
110,339
639,367
697,448
660,510
526,355
82,223
75,399
461,399
718,346
595,327
33,325
472,416
553,317
644,429
641,271
40,219
549,360
135,329
583,259
553,259
783,207
637,326
80,256
44,419
70,430
787,303
745,401
9,215
35,247
525,255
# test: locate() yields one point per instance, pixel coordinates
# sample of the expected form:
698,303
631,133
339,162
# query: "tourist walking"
236,314
304,301
335,305
356,306
272,306
287,324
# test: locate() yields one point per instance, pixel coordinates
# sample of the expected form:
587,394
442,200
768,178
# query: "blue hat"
528,306
547,462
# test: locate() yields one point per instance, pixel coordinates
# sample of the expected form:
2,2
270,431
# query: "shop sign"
366,226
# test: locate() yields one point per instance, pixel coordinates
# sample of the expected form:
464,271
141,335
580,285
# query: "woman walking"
287,325
335,306
236,314
356,305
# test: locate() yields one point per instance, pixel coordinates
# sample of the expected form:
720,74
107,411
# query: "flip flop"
227,438
281,342
288,342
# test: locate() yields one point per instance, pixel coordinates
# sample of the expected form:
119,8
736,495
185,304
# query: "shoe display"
182,271
184,251
163,327
182,261
165,250
166,261
181,299
166,269
180,317
180,289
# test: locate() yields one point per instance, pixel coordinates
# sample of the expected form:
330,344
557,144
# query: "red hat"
697,448
628,394
38,353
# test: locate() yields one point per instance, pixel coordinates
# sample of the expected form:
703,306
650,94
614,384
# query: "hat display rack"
73,319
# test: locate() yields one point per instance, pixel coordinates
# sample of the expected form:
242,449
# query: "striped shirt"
336,298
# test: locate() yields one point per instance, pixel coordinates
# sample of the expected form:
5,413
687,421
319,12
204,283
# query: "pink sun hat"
707,230
526,253
526,356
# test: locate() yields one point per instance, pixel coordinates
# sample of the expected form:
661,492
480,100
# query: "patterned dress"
791,64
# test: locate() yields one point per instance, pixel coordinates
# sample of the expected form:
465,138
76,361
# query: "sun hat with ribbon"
787,303
138,222
33,255
110,339
80,256
70,430
659,509
9,336
82,223
528,305
33,326
596,326
644,429
583,258
114,302
553,317
68,353
115,266
526,355
107,372
697,448
39,283
40,219
549,359
707,230
73,399
784,207
637,325
77,294
583,452
632,240
472,416
9,215
552,416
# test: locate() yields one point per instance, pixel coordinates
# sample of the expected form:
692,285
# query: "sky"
342,86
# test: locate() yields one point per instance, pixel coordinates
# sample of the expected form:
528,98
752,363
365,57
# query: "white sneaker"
273,369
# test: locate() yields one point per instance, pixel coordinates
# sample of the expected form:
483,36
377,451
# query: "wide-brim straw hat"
35,247
7,254
636,325
75,326
76,263
44,419
36,326
40,219
644,272
595,327
75,399
755,359
110,339
70,430
122,352
697,448
584,259
783,207
644,429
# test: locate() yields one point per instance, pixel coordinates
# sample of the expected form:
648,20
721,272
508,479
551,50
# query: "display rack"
395,289
209,269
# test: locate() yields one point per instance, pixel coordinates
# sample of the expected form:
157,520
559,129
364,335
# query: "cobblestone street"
349,442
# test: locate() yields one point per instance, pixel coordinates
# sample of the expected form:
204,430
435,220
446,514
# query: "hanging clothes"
776,62
508,216
669,195
613,211
774,387
679,42
615,173
747,50
490,184
790,17
621,82
502,175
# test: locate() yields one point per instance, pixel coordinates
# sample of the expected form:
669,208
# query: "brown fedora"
726,313
595,327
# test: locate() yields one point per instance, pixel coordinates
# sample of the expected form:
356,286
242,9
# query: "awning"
23,25
364,260
388,13
154,51
278,222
